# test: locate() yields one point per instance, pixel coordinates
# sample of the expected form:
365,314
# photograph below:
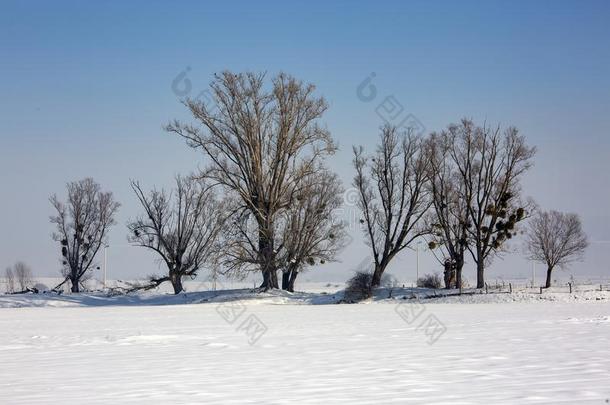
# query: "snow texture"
239,347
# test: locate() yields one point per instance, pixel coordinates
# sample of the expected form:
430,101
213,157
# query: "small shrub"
359,287
430,281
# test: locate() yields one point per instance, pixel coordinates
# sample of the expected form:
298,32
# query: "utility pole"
417,265
417,258
533,273
105,264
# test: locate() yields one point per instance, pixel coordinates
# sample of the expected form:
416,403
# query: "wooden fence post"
540,290
570,284
510,288
486,288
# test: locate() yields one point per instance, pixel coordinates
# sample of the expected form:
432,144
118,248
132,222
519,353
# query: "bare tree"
23,274
9,276
392,195
82,227
181,227
261,143
448,222
307,233
555,238
490,163
312,233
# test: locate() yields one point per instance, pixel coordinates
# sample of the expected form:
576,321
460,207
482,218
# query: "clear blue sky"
86,86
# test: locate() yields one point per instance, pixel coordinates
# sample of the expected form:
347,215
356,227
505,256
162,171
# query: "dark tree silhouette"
448,221
180,227
392,195
82,227
490,163
556,239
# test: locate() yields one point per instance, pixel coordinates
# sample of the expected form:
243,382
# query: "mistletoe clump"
505,219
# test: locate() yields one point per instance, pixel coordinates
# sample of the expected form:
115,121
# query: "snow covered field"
94,349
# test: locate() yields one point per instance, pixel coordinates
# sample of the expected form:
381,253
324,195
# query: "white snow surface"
515,348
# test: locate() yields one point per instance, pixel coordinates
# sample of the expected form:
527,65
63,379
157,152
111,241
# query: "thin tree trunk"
285,279
480,273
293,278
273,279
265,282
549,270
448,273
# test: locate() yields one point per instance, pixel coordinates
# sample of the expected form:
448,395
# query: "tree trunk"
293,278
549,270
289,276
458,273
448,273
379,269
285,279
273,278
267,257
75,286
269,279
480,272
176,280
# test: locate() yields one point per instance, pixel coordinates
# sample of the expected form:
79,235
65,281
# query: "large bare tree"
312,232
82,227
261,142
448,220
181,227
392,194
490,163
556,239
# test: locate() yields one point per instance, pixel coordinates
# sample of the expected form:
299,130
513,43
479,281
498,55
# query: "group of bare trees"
460,190
266,201
18,278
